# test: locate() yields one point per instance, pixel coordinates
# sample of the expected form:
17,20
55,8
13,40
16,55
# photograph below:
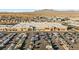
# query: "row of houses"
35,26
11,21
14,20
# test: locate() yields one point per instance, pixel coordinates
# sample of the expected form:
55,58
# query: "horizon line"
32,10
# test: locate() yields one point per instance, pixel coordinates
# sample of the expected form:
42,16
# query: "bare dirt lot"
71,14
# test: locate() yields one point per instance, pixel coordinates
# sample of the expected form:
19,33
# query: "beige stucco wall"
26,29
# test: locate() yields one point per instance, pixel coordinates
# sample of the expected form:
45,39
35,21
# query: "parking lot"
39,41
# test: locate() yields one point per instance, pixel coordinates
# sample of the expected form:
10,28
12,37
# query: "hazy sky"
30,5
17,10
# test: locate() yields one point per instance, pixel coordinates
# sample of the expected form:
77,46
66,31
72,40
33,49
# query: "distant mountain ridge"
52,10
45,10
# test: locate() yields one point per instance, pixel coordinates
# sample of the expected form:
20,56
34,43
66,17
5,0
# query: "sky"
31,5
17,10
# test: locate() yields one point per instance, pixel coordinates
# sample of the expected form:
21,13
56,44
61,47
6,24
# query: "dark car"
55,47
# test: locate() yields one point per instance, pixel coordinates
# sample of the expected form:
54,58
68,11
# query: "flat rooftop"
39,24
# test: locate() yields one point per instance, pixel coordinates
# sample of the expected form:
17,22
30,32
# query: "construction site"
39,30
